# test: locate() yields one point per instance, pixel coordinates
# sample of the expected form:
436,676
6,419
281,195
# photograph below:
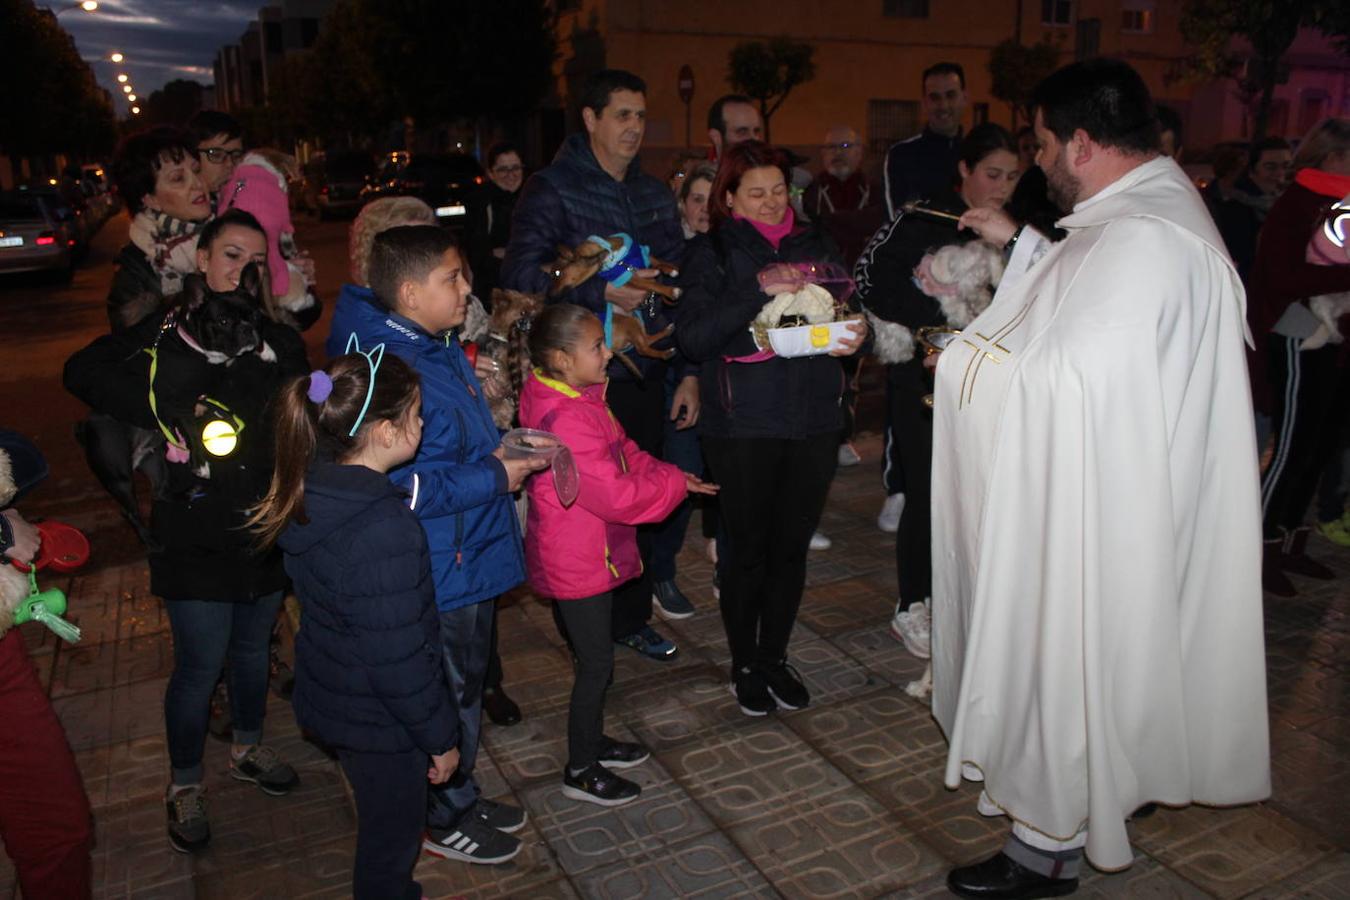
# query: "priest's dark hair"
1105,98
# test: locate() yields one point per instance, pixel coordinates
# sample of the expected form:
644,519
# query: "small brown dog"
627,332
505,344
575,265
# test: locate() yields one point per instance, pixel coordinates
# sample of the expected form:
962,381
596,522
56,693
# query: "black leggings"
585,624
773,491
912,442
1312,398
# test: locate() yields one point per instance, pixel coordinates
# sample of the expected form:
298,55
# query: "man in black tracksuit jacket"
596,186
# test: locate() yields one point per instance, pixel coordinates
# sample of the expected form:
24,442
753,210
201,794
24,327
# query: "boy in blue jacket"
460,487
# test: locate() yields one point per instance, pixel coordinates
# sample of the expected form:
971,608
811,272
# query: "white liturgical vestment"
1097,633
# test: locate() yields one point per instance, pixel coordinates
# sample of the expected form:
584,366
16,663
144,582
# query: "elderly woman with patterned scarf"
159,177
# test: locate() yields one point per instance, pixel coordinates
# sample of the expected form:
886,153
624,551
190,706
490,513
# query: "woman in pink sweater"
578,554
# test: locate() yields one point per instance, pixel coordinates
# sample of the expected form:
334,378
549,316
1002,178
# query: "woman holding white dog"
770,428
913,275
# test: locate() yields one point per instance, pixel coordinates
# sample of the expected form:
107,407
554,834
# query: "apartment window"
1088,41
1056,12
904,9
889,121
1137,19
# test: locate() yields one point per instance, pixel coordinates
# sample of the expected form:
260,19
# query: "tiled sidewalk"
843,799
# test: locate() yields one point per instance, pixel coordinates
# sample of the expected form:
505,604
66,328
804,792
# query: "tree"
1016,69
381,61
1269,28
768,71
59,107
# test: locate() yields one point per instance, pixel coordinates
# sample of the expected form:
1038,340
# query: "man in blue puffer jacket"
460,488
596,186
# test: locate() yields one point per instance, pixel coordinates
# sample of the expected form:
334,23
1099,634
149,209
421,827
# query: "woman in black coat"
770,429
985,176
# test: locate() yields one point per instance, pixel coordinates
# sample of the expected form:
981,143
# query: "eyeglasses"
508,170
217,155
841,146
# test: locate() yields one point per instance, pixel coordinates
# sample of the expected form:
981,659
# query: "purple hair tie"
320,386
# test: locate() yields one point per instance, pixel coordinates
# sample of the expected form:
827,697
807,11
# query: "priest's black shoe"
1002,878
501,709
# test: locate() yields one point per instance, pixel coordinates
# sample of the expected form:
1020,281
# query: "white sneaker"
848,456
888,520
820,541
912,627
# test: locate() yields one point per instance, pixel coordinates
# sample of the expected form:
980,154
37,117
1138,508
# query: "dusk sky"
161,39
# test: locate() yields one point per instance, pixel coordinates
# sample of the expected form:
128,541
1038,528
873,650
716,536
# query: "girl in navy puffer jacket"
368,680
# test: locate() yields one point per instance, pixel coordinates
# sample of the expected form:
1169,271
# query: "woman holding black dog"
770,429
218,363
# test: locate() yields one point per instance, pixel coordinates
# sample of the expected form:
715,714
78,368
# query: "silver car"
36,234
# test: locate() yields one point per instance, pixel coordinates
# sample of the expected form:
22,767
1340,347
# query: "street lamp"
126,89
86,5
135,110
131,98
116,57
121,77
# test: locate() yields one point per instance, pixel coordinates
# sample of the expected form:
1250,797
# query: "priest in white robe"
1097,628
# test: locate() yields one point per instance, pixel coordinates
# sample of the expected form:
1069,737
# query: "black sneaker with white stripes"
472,842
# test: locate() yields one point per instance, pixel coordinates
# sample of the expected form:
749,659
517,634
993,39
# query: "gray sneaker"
263,767
472,842
189,829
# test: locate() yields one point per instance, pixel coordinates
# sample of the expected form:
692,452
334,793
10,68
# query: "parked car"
445,181
336,181
36,233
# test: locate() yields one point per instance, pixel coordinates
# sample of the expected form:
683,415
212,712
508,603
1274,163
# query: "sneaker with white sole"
912,627
472,842
189,829
820,541
848,456
597,784
622,754
502,816
261,766
669,602
888,520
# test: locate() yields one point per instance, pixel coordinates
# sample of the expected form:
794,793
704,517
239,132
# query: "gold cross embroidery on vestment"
988,348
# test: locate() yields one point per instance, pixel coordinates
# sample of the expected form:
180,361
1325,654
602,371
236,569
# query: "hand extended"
849,345
484,367
517,470
696,485
629,298
443,766
684,405
27,538
994,226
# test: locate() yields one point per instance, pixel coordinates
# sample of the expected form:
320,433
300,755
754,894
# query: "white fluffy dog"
960,277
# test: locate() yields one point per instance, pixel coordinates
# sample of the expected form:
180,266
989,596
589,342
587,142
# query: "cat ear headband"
374,357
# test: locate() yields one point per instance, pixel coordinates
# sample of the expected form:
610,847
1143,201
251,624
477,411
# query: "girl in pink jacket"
577,555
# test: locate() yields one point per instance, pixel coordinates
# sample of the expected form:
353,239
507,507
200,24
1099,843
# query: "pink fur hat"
259,189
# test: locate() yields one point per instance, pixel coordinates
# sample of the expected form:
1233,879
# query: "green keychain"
46,607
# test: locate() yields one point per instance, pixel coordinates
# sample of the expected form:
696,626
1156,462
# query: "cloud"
161,39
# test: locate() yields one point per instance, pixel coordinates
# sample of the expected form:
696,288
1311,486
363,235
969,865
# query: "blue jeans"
206,633
466,636
680,448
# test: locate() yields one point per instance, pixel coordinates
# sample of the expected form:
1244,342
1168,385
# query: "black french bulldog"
228,323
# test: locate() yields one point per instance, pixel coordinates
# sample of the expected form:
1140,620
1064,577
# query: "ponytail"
314,418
